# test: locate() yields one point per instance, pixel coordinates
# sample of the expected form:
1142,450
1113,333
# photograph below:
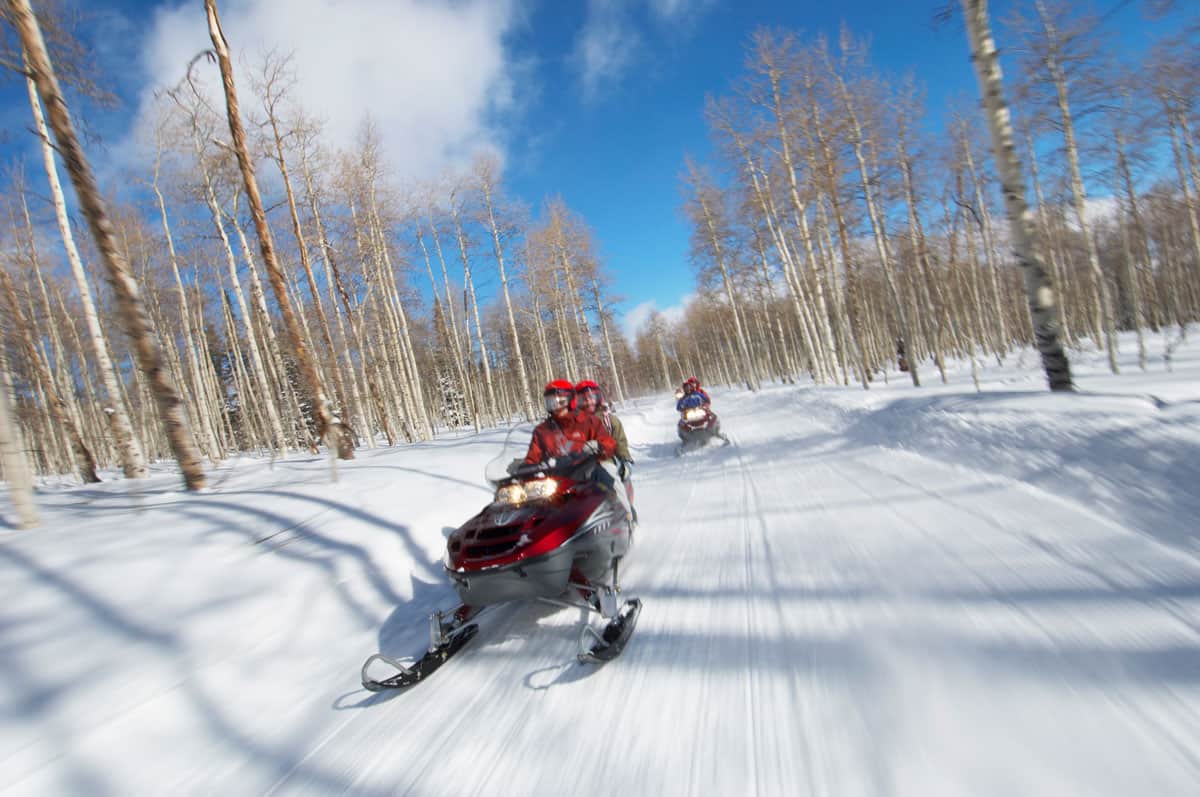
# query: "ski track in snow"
884,592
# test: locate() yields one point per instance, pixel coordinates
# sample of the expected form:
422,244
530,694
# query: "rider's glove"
591,447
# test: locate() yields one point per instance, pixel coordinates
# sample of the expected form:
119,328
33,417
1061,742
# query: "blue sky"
596,100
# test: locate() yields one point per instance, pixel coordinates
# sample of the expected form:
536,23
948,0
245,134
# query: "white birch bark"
329,428
131,312
486,188
12,454
1038,288
133,461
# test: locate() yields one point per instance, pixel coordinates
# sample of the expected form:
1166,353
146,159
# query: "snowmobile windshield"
516,443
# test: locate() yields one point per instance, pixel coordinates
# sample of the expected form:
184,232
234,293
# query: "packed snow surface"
893,591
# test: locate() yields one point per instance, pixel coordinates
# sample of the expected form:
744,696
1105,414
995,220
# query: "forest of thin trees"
254,289
838,232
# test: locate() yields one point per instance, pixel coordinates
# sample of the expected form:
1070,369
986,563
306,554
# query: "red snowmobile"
551,534
697,424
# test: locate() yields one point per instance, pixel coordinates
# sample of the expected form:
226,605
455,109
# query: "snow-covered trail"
830,619
834,604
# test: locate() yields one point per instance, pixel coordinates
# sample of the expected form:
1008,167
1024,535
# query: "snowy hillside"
870,592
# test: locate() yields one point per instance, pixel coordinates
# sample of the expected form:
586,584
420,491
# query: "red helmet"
587,385
558,394
693,381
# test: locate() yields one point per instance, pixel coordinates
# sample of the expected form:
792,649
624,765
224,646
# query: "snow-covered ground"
870,592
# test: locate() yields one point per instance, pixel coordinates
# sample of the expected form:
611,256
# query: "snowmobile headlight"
540,488
694,414
510,494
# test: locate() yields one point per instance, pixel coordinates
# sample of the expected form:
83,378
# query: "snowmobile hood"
503,534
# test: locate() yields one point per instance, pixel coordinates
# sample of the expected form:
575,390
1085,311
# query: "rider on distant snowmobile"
691,392
566,431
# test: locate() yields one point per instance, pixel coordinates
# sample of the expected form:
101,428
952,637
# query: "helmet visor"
589,394
557,400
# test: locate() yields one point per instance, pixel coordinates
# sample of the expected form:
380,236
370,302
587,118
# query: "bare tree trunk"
792,277
800,211
587,346
250,406
99,429
326,336
133,461
359,395
460,354
485,183
841,320
85,463
849,303
12,454
999,334
564,333
1058,272
1038,288
1131,270
396,306
925,281
469,285
52,345
880,235
719,255
256,358
612,360
131,312
329,427
1078,193
276,384
1189,198
203,408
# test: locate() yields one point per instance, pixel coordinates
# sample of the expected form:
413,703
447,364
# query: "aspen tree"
329,428
12,454
132,314
1038,289
485,175
133,462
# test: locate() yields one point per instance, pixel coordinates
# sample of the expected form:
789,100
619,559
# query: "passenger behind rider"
590,399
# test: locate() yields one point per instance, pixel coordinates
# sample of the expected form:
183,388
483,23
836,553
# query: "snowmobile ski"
422,668
616,634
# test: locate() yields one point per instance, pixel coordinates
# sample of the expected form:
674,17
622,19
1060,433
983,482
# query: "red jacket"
555,438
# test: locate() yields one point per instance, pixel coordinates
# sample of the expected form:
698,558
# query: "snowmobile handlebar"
520,469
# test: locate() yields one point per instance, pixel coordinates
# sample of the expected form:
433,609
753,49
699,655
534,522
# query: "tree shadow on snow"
1109,469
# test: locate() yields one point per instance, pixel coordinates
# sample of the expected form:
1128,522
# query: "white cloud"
434,75
633,320
606,45
609,43
670,10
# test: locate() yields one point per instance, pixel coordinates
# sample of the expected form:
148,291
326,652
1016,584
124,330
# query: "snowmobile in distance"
551,534
697,424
